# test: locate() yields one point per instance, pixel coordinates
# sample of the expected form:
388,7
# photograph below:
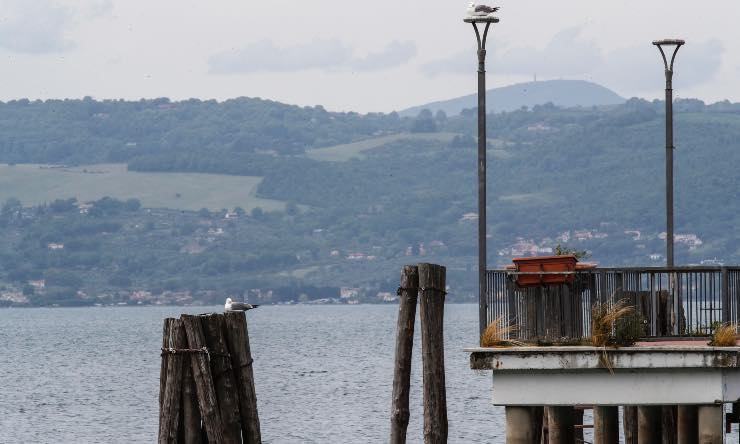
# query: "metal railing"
679,301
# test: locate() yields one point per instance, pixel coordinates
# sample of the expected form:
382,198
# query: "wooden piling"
169,417
545,434
519,425
629,422
167,326
190,430
687,425
578,421
606,425
432,283
223,377
204,388
711,430
408,296
669,419
538,417
241,359
560,425
649,419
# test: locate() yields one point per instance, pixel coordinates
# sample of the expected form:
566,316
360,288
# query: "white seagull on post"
237,306
481,10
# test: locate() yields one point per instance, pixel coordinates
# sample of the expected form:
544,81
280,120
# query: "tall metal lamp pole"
676,45
482,258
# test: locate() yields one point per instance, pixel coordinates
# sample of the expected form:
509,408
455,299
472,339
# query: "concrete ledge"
538,359
642,375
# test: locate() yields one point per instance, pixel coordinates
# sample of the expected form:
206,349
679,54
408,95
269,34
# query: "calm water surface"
323,375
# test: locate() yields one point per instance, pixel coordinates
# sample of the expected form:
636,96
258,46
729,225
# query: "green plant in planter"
628,330
561,250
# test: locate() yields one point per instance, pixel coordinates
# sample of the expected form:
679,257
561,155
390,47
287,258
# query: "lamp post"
681,421
676,45
482,258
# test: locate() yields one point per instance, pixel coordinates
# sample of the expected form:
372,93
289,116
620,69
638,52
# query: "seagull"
237,306
481,10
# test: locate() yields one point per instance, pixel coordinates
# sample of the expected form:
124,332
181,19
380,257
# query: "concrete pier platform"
652,373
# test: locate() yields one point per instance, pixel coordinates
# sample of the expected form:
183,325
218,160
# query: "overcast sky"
362,56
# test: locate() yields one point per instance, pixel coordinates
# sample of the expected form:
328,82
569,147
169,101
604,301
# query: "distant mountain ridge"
562,93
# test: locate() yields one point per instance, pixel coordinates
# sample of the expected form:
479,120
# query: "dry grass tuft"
497,333
603,319
725,336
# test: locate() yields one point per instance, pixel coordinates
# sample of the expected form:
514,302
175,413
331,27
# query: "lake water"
323,375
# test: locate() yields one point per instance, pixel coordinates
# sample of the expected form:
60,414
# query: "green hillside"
364,194
356,150
39,184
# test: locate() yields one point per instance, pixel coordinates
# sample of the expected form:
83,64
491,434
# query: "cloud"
34,26
327,55
395,54
640,67
568,54
99,8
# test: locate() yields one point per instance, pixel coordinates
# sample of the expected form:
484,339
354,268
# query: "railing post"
653,306
677,308
726,306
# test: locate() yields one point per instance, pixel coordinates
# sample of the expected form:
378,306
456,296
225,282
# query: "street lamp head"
676,45
669,42
481,20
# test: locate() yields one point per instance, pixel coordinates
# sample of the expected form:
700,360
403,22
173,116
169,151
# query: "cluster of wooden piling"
426,282
642,425
206,382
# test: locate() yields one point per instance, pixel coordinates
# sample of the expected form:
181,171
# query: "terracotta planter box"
548,264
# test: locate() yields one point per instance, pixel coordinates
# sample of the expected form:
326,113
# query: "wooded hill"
362,194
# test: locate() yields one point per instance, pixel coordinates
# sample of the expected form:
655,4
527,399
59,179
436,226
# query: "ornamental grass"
497,334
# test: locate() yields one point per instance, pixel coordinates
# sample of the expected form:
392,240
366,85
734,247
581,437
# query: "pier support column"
519,428
606,425
688,424
629,422
649,419
560,421
711,429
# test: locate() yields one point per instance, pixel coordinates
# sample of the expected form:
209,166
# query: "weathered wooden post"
169,416
688,425
606,425
408,296
545,434
241,359
649,419
207,400
167,326
669,415
432,283
223,377
711,430
578,421
560,425
629,421
190,429
538,418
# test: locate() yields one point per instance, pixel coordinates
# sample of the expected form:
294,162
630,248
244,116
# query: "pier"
672,386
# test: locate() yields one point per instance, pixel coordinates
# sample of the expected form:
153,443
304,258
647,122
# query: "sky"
381,56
